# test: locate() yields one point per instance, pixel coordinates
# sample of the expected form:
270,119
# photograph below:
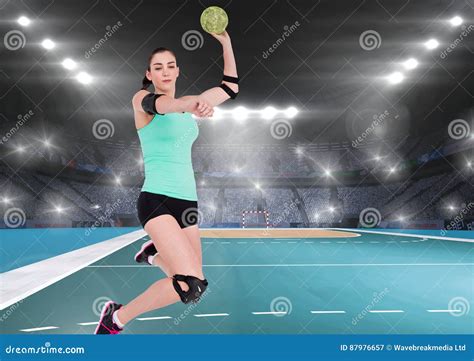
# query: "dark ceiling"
321,67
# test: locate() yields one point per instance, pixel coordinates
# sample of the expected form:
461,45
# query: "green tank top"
166,146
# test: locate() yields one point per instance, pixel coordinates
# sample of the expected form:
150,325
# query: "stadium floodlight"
299,150
291,112
48,44
58,209
46,143
24,21
269,113
257,186
410,64
203,183
332,209
20,149
117,180
83,78
240,113
456,21
431,44
69,64
395,78
392,170
5,200
327,172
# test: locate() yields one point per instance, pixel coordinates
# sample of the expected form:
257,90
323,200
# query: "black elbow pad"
149,103
229,91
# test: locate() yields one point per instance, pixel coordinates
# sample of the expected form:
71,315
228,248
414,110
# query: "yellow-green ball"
214,20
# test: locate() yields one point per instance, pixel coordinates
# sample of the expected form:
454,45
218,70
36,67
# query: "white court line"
275,242
154,318
324,242
211,314
225,242
309,242
324,312
443,311
270,313
358,242
304,265
423,236
291,242
341,242
39,329
242,242
374,242
258,242
19,283
88,323
386,311
208,242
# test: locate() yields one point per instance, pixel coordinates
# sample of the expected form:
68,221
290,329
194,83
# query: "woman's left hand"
223,38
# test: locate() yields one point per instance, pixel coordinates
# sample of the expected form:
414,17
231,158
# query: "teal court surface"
260,282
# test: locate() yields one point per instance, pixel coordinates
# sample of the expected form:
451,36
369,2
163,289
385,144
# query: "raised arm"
229,87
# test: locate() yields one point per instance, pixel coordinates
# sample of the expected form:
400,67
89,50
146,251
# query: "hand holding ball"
214,20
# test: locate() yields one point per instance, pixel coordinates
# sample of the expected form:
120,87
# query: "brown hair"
146,82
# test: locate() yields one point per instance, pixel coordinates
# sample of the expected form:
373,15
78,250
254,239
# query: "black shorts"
151,205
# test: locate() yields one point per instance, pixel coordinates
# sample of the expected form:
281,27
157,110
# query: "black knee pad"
196,287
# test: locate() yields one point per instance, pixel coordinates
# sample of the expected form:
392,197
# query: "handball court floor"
287,281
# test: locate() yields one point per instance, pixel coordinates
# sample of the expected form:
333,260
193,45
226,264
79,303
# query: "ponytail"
146,83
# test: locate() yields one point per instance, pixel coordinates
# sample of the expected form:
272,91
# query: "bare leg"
180,258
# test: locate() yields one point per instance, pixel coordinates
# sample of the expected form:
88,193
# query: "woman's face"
163,71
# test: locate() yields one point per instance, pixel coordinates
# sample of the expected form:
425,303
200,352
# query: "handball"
214,20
